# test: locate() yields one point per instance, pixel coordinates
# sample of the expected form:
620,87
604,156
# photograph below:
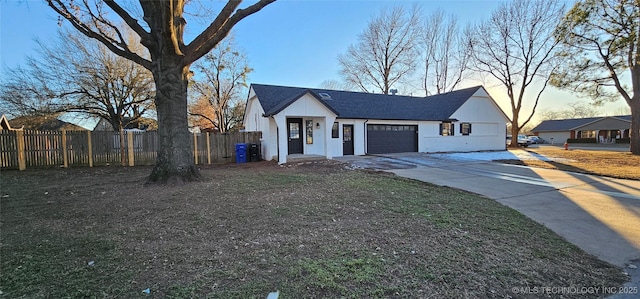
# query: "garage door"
384,139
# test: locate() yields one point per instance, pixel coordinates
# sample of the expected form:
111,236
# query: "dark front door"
294,132
347,140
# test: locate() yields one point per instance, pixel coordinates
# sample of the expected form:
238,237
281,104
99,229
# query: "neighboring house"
604,129
5,125
333,123
141,124
44,123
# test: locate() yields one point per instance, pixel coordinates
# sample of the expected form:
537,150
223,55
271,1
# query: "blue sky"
293,43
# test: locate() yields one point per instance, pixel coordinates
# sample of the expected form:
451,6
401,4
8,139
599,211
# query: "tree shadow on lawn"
314,230
611,202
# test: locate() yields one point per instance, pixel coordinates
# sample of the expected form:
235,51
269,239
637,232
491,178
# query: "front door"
347,140
294,132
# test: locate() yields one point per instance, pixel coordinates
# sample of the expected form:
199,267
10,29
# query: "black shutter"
468,128
440,129
453,129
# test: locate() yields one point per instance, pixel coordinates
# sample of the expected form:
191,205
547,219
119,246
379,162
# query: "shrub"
623,140
582,140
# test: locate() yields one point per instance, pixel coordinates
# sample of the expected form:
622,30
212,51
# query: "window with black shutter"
446,129
465,128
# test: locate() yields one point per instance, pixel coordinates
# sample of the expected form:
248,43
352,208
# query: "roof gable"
480,107
4,124
358,105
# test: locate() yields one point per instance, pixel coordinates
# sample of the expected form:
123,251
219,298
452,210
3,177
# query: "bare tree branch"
219,28
516,46
385,52
118,47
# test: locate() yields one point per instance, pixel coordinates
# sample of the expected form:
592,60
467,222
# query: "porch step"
304,158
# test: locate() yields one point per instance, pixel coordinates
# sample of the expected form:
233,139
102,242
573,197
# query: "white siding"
488,131
488,128
254,122
484,136
270,140
253,119
317,147
308,107
335,144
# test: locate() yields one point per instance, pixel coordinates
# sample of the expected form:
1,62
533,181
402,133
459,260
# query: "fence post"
90,148
208,150
65,158
130,148
195,149
22,161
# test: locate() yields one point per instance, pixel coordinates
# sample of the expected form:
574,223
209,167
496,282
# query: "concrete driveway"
600,215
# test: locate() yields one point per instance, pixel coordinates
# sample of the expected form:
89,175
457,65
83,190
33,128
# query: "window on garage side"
465,128
335,133
446,129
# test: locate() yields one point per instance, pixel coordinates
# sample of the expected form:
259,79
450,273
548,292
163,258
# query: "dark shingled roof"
359,105
43,123
571,123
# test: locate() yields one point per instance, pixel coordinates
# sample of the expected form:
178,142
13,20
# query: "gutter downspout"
277,137
365,137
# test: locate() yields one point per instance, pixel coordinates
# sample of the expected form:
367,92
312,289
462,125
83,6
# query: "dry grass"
622,165
313,230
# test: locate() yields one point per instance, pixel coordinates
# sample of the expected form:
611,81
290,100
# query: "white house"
334,123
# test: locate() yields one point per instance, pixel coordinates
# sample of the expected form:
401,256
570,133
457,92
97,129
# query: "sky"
290,43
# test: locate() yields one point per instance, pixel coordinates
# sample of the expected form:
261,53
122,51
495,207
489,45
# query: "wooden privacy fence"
21,149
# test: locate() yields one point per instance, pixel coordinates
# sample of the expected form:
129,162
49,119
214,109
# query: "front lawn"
309,230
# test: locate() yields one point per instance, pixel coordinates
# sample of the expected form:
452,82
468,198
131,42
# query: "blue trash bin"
241,153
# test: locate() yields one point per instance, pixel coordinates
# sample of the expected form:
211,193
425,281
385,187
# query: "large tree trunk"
635,125
175,162
514,135
514,127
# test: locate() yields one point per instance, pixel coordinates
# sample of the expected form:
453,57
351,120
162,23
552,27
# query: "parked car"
522,140
535,139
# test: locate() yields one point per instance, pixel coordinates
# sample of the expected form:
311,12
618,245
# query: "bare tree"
445,54
626,110
77,74
21,95
334,85
573,110
161,31
601,45
385,52
221,87
516,47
